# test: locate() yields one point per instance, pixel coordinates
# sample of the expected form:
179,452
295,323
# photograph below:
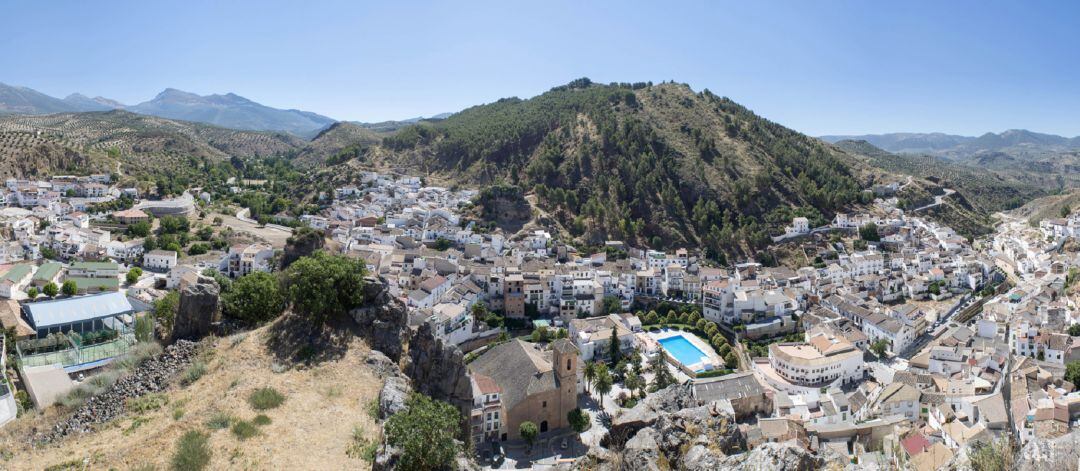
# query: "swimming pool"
683,351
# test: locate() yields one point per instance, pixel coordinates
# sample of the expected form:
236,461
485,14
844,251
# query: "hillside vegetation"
986,190
658,164
141,145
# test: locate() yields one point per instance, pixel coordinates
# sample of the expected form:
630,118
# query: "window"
567,364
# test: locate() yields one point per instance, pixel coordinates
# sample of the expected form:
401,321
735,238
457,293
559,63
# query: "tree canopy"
324,286
425,433
254,298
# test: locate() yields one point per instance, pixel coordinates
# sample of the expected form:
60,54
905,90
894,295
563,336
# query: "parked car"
497,455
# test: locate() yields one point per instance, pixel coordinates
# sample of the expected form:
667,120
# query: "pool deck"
694,340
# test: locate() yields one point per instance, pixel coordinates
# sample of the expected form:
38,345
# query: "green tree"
590,374
614,347
69,288
869,232
731,361
634,382
1065,211
144,328
662,376
603,385
879,347
254,298
32,292
612,305
133,275
165,309
50,289
323,286
578,419
425,433
1074,330
529,432
139,229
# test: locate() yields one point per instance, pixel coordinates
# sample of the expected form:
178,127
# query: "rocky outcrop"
1061,453
199,310
152,375
383,319
393,396
438,370
303,242
786,456
381,364
666,430
669,400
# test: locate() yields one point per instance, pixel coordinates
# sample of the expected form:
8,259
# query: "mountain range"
229,110
950,145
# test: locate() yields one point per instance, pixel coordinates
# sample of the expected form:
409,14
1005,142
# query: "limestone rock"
645,413
393,396
198,311
383,318
301,244
786,456
642,452
382,365
438,370
1061,453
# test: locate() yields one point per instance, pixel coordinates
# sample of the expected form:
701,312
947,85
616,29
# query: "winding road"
937,200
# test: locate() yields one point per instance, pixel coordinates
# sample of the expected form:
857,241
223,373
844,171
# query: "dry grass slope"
313,428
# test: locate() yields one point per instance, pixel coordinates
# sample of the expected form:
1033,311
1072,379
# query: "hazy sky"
816,66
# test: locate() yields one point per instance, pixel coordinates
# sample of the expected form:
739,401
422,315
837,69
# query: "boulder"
642,452
438,370
393,396
198,311
382,365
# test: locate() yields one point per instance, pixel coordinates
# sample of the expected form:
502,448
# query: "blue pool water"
682,350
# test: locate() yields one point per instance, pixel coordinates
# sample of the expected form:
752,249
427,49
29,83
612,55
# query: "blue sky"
821,67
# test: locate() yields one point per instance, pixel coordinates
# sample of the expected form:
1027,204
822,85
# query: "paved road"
937,200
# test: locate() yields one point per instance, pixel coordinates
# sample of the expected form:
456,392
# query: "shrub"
147,403
193,372
361,446
425,433
192,452
244,429
261,420
265,398
219,421
323,286
254,298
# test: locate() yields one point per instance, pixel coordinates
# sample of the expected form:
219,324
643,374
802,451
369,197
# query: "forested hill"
658,164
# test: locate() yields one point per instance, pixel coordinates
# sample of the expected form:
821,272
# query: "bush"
147,403
192,452
133,275
265,398
323,286
254,298
193,372
244,430
425,433
261,420
219,421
